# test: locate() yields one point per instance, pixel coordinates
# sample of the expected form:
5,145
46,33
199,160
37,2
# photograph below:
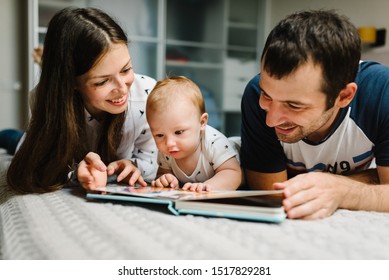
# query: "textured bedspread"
64,225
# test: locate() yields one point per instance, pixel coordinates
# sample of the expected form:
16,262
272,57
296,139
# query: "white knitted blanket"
64,225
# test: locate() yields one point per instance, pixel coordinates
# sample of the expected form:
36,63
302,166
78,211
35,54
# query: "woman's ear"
346,95
204,120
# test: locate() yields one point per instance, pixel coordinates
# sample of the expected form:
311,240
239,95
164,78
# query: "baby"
191,153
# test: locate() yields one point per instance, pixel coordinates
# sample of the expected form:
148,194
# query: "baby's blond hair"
168,90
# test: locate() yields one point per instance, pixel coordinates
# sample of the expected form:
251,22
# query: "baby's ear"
204,120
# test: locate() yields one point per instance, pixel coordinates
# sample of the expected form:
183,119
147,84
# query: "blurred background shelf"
216,43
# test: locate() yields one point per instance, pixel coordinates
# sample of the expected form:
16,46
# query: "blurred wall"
361,13
13,43
14,54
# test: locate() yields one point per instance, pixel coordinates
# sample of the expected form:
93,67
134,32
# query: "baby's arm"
228,176
165,178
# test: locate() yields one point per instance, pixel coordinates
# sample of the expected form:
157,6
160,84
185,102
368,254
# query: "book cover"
263,206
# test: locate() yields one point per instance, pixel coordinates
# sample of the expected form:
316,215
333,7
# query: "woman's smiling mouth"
120,100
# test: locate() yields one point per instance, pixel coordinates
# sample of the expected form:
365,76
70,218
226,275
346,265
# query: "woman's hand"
127,172
92,172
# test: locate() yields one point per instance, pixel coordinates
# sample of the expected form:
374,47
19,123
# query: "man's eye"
178,132
264,95
294,107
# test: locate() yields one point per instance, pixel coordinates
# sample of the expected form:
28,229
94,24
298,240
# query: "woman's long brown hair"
56,136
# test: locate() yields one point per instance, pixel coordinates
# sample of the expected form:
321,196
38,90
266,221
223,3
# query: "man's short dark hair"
326,38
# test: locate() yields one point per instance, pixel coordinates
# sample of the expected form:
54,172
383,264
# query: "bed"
64,225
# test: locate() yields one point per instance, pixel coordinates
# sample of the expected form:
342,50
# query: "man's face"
295,104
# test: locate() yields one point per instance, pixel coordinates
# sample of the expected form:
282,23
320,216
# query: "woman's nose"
121,84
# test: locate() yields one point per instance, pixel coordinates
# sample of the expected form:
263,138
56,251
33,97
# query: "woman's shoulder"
144,80
141,87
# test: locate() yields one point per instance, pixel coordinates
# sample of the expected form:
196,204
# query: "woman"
88,108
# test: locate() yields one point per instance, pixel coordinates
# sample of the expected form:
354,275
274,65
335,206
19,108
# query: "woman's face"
105,88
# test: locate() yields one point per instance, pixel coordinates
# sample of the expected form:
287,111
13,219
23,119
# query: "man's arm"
383,174
263,181
368,196
369,176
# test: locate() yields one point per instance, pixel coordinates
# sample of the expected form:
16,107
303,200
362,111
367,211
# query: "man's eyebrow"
285,101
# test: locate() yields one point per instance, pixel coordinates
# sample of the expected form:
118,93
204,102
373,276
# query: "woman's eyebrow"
107,75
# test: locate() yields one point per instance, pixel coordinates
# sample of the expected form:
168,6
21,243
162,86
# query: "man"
316,107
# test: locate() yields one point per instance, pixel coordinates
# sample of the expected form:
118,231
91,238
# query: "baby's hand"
166,180
196,187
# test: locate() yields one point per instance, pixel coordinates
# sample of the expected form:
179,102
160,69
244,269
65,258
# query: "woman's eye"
99,84
127,70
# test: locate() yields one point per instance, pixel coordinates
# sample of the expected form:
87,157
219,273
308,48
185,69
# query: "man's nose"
275,114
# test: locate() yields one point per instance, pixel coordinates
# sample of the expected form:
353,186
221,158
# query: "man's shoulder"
373,82
370,69
254,82
370,106
252,90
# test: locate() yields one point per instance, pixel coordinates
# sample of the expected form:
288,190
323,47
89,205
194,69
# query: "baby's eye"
178,132
159,135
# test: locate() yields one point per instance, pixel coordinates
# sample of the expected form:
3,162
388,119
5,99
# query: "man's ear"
204,120
346,95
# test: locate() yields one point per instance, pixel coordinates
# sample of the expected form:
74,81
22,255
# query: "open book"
263,206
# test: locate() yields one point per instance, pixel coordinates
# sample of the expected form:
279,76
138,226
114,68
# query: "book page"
177,194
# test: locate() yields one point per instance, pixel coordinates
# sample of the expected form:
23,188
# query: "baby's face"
177,129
